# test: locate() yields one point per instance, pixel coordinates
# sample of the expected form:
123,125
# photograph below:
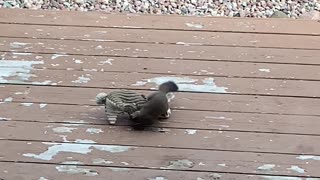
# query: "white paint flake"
94,130
84,148
280,178
21,54
191,131
43,178
8,99
191,25
219,118
77,61
266,167
27,104
4,119
18,44
63,129
101,161
82,79
114,169
222,165
46,82
158,178
108,61
76,170
42,105
308,157
55,56
296,169
139,83
264,70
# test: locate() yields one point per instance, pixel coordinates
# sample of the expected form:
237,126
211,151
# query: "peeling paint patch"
4,119
55,56
72,162
63,129
77,61
158,178
21,54
266,167
118,169
26,104
308,157
222,165
179,164
12,71
82,79
42,105
186,84
43,178
280,178
215,176
219,118
76,170
191,25
94,130
108,61
191,131
296,169
84,148
101,161
8,99
18,44
46,82
264,70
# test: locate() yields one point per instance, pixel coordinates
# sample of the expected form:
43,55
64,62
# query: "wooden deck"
248,106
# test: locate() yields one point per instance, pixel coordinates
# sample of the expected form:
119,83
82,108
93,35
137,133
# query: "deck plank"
246,25
170,51
190,38
157,158
226,121
189,101
167,66
170,138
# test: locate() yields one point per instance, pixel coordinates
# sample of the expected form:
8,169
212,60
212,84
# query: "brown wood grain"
170,138
170,51
247,122
159,158
167,66
193,101
129,81
246,25
191,38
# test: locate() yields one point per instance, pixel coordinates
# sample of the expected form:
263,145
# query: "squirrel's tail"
168,86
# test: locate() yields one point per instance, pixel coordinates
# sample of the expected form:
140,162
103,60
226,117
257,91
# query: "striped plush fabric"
120,102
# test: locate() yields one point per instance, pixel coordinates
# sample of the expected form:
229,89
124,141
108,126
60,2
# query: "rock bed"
228,8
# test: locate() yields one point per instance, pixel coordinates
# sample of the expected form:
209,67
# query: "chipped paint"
280,178
46,82
42,105
76,170
8,99
77,61
308,157
222,165
4,119
18,44
191,131
296,169
108,61
55,56
21,54
84,148
191,25
114,169
101,161
12,71
27,104
82,79
158,178
264,70
219,118
186,84
266,167
178,164
43,178
63,129
72,162
94,130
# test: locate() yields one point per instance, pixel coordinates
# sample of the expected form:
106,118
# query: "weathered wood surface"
264,125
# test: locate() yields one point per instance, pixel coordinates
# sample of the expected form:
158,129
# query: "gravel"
228,8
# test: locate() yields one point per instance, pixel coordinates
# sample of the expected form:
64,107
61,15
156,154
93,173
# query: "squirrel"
156,107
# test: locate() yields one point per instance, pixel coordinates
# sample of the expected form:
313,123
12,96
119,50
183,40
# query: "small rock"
312,15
